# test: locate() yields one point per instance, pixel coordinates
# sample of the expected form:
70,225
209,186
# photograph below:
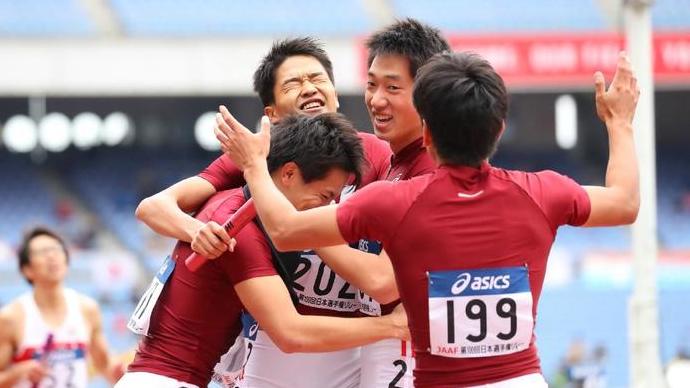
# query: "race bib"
480,313
229,370
249,326
141,317
318,286
367,304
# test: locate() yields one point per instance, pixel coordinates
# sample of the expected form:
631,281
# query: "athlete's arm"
618,202
167,213
268,301
98,346
10,373
371,273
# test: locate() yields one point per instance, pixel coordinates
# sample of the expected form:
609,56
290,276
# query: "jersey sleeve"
366,215
377,154
223,174
562,199
251,258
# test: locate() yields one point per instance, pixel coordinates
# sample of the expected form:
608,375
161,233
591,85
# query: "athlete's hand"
240,144
399,320
212,240
32,370
618,103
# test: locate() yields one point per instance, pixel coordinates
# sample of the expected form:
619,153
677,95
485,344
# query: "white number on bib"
141,317
480,313
318,286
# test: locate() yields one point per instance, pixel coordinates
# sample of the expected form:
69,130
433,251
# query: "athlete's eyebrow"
298,78
291,79
391,76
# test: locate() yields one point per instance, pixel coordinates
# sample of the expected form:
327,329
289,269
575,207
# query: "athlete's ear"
28,273
289,174
428,143
426,135
270,111
500,133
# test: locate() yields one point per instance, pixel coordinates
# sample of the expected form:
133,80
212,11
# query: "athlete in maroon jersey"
295,76
395,54
197,316
468,243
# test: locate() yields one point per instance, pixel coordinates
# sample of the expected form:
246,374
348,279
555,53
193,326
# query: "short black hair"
265,74
408,38
23,250
464,103
316,144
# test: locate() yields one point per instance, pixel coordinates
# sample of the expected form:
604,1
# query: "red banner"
561,60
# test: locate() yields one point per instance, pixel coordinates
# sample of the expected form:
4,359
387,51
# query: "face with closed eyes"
302,85
318,192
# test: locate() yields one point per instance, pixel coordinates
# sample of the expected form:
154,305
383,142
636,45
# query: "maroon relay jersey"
320,291
411,161
476,221
197,316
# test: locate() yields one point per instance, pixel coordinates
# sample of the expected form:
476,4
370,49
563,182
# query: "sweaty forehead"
298,66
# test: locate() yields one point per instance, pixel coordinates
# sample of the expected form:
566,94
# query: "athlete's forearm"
618,202
622,172
307,334
371,273
162,214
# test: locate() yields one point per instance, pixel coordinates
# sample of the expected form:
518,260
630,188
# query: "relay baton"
233,225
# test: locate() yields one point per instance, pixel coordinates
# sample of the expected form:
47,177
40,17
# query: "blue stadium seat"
221,18
54,18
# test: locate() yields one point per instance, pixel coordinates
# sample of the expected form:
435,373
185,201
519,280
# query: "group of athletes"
352,224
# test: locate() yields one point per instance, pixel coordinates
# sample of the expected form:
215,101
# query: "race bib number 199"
141,317
480,313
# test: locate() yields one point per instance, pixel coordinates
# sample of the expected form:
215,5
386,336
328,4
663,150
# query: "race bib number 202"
480,313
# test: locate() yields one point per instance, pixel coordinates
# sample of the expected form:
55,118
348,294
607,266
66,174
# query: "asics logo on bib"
477,283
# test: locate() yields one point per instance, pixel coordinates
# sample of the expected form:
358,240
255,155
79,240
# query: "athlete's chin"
384,135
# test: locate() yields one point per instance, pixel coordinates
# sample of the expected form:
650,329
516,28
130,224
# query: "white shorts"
387,363
534,380
151,380
268,367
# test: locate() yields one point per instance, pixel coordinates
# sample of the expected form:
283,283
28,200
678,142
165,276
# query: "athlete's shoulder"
537,180
373,144
11,317
221,205
423,164
397,192
87,303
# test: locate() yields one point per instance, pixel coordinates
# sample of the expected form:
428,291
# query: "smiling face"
302,86
388,98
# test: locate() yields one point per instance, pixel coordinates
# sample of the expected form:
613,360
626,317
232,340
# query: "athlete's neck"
398,146
49,297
